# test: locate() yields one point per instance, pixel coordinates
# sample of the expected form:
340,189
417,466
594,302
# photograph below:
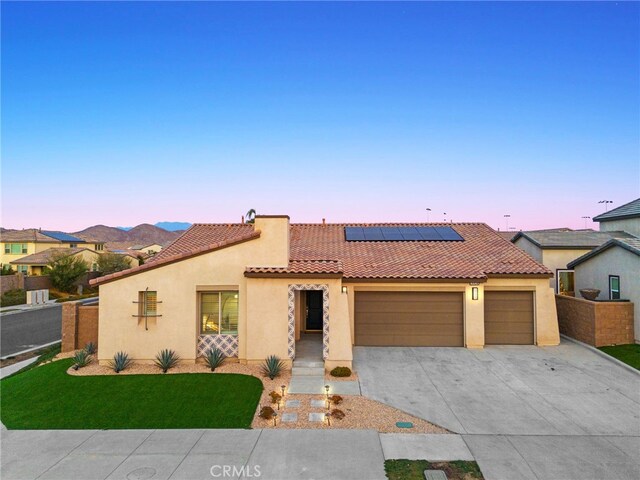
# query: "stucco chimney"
274,235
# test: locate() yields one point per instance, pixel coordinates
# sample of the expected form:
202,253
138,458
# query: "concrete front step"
308,363
307,371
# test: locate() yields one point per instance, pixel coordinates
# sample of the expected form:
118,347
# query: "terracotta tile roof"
188,249
45,256
27,235
301,267
483,252
318,248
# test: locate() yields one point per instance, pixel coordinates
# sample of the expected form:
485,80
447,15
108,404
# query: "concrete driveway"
525,412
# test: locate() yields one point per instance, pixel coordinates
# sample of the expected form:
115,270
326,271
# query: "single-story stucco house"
252,289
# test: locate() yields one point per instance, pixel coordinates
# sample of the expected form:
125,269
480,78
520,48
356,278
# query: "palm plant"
166,359
272,366
81,359
250,216
121,361
214,358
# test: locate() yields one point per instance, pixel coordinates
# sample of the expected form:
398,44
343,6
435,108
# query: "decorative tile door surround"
292,317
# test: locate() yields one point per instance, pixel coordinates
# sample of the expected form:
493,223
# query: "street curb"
602,354
16,367
31,349
20,309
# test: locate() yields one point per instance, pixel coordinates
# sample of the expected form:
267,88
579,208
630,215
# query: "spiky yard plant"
120,362
81,359
214,358
90,348
272,366
166,359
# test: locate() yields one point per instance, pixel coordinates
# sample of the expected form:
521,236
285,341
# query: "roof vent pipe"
324,222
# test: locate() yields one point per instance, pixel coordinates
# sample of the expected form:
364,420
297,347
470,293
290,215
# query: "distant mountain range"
169,226
117,238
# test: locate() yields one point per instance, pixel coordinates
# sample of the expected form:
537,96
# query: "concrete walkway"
191,454
560,412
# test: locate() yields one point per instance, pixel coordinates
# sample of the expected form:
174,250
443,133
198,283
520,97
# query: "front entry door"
314,310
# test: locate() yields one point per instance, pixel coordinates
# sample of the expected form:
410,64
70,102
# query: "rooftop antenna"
428,210
585,218
606,204
445,216
507,217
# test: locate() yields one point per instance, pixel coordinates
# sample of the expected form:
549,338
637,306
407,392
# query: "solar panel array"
401,234
63,237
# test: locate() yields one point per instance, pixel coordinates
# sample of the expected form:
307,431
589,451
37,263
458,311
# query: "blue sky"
122,113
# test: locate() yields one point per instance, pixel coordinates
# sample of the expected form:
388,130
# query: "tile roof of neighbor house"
45,256
322,249
572,239
27,235
630,244
628,210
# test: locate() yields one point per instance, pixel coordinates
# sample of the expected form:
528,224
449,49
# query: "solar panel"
400,234
354,234
448,234
373,234
429,234
63,237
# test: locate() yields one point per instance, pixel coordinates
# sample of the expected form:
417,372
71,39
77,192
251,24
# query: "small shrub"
166,359
275,397
341,372
272,366
266,413
336,399
120,362
90,348
337,414
214,358
81,359
13,297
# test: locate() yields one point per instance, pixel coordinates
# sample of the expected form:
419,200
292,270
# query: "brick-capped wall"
595,323
79,325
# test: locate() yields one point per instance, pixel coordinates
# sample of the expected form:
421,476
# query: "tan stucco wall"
32,248
558,259
176,285
630,225
594,273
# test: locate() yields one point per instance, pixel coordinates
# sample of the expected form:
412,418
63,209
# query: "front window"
565,284
23,269
15,248
614,287
148,303
99,246
219,313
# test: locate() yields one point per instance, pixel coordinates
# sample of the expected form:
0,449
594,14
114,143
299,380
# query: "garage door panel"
409,319
508,318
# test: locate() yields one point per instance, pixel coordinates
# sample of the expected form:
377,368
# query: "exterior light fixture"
344,289
328,417
326,391
282,387
474,293
279,404
275,417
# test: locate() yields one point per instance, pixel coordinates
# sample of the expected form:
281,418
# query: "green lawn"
629,354
47,398
414,469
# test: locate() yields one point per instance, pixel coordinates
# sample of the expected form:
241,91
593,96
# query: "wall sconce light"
344,289
474,293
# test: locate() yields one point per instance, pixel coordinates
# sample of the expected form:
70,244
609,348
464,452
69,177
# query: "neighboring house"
150,249
614,269
625,217
16,244
556,248
253,290
35,263
134,257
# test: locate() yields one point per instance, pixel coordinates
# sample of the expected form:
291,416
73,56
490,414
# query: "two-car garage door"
436,319
413,319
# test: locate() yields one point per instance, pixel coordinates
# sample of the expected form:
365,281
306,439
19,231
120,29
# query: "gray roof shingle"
631,244
628,210
574,239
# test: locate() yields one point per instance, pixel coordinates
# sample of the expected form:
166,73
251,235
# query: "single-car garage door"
414,319
508,318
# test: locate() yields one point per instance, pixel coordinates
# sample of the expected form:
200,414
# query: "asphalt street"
24,330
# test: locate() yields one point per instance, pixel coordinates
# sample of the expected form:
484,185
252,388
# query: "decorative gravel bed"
360,412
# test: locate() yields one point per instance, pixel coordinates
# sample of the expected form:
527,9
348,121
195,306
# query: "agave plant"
166,359
272,366
121,360
81,359
90,348
214,358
